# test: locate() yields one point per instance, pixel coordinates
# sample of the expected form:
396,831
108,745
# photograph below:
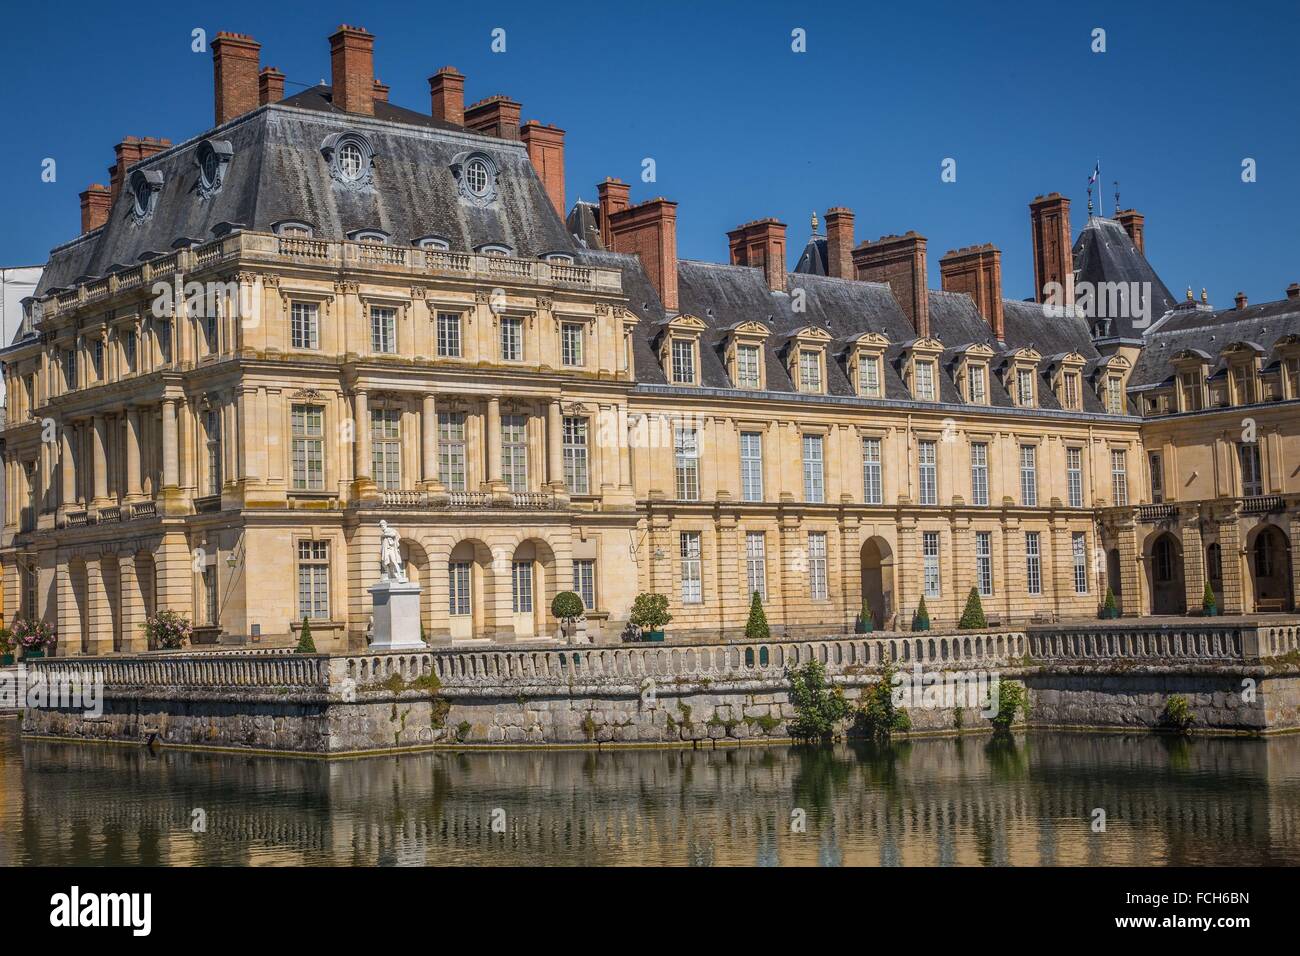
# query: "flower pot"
657,636
1210,611
32,653
6,660
863,625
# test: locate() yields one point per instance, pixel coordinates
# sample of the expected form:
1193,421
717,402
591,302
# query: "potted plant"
649,615
6,646
973,615
168,629
1109,610
865,623
756,628
567,608
35,637
1209,604
921,619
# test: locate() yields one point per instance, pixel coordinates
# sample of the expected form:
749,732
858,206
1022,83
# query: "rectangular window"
814,484
1119,476
984,562
210,608
512,340
978,385
314,580
459,595
1293,377
70,368
686,453
1192,394
97,357
927,465
514,451
383,329
817,585
756,564
747,374
692,575
683,354
979,473
1114,395
1028,476
869,375
930,556
164,328
212,426
584,581
1156,469
810,371
576,477
449,335
521,587
873,487
751,466
1252,480
304,325
386,447
925,381
1079,548
1025,387
1033,563
571,344
1074,476
128,347
308,428
451,450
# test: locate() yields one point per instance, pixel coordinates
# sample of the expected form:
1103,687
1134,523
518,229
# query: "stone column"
67,613
492,436
1295,558
555,445
429,440
132,605
133,488
1194,575
67,464
99,466
1131,571
361,435
1234,594
624,450
99,639
170,445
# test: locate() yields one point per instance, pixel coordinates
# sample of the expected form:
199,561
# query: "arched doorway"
1113,579
1270,569
878,579
1165,575
532,584
1214,571
470,591
416,561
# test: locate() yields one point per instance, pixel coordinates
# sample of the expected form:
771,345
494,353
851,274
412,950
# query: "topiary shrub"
305,644
567,608
973,615
756,628
921,619
650,612
1108,607
866,622
1209,603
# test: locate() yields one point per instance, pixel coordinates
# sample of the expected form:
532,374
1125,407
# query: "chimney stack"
1132,221
447,92
96,201
234,68
1293,291
647,230
977,271
1049,218
1241,301
130,151
762,244
352,68
900,262
546,151
381,92
270,86
613,197
839,242
495,116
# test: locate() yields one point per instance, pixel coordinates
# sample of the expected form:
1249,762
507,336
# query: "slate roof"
584,226
1105,253
1211,332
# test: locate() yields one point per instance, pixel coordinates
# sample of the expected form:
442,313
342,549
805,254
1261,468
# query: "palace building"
328,309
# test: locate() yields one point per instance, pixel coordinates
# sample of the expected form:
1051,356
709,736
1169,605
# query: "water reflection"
930,802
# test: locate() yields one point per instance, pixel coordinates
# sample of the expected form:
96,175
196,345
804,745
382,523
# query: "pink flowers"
34,635
168,629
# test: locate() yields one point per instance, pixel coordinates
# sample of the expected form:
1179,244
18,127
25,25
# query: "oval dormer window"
145,184
351,161
478,178
351,158
212,155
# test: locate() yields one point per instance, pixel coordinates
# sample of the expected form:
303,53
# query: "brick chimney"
761,243
234,70
546,151
648,230
352,68
1293,291
839,242
96,201
1132,221
130,151
381,92
447,91
1049,219
613,197
977,271
270,86
899,261
495,116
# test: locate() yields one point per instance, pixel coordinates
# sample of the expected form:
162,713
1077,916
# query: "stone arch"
472,590
540,579
1268,557
1164,565
1113,577
877,564
415,558
1214,570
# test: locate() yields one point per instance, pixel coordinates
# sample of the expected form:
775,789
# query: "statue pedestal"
396,610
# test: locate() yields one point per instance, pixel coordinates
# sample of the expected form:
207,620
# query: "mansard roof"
1105,253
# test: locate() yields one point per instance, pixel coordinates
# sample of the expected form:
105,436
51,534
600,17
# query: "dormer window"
679,349
476,178
561,258
145,185
869,376
1192,389
810,370
745,355
865,366
1115,394
292,229
1025,388
977,392
351,161
375,236
747,366
806,359
351,157
683,366
1291,372
1243,385
494,249
433,242
212,156
925,381
1070,390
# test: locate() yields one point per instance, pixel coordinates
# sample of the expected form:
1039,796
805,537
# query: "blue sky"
740,127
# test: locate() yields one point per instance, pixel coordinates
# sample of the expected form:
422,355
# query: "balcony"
1263,505
111,514
469,501
1150,514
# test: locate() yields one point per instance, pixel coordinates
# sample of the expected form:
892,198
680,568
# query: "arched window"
1214,562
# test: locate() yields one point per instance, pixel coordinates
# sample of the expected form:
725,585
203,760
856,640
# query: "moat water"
1033,800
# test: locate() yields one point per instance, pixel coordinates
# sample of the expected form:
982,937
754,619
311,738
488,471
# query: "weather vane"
1117,197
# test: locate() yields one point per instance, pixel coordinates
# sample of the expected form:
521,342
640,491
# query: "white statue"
390,555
